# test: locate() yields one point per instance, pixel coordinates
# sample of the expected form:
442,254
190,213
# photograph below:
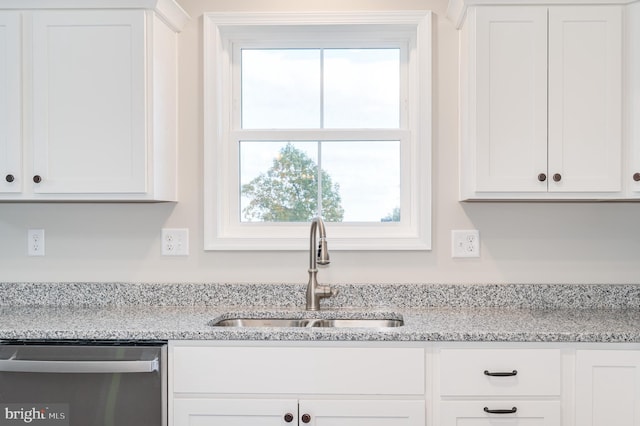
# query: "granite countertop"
496,313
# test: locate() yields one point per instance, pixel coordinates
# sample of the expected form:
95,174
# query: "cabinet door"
10,102
359,413
511,99
585,89
528,413
607,388
632,89
233,412
89,101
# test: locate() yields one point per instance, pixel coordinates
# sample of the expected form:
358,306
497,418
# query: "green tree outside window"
288,191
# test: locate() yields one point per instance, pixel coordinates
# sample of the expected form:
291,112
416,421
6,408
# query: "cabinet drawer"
530,372
472,413
344,370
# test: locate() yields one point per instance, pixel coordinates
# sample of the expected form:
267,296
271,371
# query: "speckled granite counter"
514,313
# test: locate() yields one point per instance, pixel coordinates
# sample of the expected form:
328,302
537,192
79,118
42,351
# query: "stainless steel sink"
309,322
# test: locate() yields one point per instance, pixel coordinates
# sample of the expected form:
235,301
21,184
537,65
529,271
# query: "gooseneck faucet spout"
318,255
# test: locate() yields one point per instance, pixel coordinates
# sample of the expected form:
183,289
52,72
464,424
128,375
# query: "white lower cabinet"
483,386
330,384
219,383
608,387
267,412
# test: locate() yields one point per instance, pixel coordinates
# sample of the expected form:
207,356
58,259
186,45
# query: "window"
317,114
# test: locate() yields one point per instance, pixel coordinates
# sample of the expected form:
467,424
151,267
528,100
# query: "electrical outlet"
465,243
35,242
175,242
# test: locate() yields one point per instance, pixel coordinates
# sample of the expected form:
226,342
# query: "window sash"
268,43
403,136
225,35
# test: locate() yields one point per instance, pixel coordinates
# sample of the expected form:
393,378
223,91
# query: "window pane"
368,176
278,181
361,88
280,88
360,181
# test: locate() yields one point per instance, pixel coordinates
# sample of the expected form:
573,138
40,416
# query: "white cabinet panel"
352,370
511,98
585,98
607,387
632,95
10,102
89,101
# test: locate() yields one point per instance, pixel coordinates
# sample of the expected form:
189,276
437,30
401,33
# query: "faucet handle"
323,291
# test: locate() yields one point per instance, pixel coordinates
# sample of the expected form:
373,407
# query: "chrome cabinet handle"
500,373
26,366
513,410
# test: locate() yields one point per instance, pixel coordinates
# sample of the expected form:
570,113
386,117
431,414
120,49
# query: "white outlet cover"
465,243
35,242
175,242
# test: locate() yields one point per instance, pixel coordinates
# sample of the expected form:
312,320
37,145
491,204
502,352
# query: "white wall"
521,242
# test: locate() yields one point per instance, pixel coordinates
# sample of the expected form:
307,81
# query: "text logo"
37,414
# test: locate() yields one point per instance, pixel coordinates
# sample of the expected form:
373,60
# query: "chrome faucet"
316,291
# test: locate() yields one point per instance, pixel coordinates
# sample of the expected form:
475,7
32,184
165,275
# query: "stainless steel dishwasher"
80,383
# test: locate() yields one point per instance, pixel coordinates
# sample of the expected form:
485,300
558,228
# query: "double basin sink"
319,322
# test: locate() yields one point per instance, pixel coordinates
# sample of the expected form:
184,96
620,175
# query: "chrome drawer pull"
513,410
500,374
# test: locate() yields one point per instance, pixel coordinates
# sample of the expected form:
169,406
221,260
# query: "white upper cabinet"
632,91
541,93
511,98
10,102
98,87
88,122
585,99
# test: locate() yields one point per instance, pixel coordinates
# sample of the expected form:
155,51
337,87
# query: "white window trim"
223,233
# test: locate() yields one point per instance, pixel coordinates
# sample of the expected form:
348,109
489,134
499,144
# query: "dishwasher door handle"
29,366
